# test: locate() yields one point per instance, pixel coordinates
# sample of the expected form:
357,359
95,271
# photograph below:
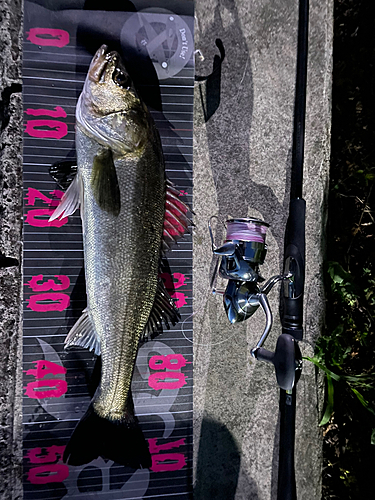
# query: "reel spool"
244,250
242,253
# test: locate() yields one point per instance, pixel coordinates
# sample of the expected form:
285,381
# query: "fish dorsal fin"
164,309
83,334
71,199
176,221
104,182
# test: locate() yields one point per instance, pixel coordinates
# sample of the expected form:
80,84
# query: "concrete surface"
11,249
242,168
242,164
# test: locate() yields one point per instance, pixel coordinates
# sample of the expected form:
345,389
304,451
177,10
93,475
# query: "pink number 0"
48,37
51,472
53,129
57,473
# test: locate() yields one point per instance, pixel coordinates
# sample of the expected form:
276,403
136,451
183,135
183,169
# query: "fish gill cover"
157,46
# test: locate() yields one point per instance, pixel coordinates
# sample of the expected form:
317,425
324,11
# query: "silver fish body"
121,264
122,192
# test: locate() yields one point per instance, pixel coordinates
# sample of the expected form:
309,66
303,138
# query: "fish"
131,214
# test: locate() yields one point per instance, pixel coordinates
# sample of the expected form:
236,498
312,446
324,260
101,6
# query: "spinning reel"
242,252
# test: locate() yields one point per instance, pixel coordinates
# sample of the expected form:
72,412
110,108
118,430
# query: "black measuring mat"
157,45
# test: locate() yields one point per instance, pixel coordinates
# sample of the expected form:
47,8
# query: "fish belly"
121,265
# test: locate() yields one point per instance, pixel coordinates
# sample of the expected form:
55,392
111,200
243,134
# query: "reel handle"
286,360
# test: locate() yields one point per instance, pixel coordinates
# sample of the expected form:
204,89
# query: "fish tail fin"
120,441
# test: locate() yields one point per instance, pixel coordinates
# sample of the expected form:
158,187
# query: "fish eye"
121,79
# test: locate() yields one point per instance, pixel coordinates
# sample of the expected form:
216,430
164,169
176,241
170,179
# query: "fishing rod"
291,310
242,253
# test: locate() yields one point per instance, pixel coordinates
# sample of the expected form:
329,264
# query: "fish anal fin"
104,182
83,334
163,310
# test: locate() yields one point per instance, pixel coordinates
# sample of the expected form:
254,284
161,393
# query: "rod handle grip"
291,306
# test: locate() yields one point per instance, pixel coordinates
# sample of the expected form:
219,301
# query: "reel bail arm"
263,302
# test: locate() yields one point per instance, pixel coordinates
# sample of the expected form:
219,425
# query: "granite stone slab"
243,139
11,250
243,133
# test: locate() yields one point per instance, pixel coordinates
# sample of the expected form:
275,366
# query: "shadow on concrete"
211,100
218,465
275,459
228,114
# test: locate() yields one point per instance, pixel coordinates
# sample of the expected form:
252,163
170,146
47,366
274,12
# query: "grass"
346,350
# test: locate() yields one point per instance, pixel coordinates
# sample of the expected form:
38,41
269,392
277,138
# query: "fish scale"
121,263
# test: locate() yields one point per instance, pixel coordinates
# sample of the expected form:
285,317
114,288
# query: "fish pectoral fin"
63,172
70,201
104,182
83,334
164,309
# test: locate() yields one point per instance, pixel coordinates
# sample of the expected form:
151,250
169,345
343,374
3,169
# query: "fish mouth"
100,62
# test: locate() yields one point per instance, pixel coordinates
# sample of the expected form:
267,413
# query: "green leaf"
362,400
322,367
373,436
360,397
338,273
348,350
361,379
329,409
